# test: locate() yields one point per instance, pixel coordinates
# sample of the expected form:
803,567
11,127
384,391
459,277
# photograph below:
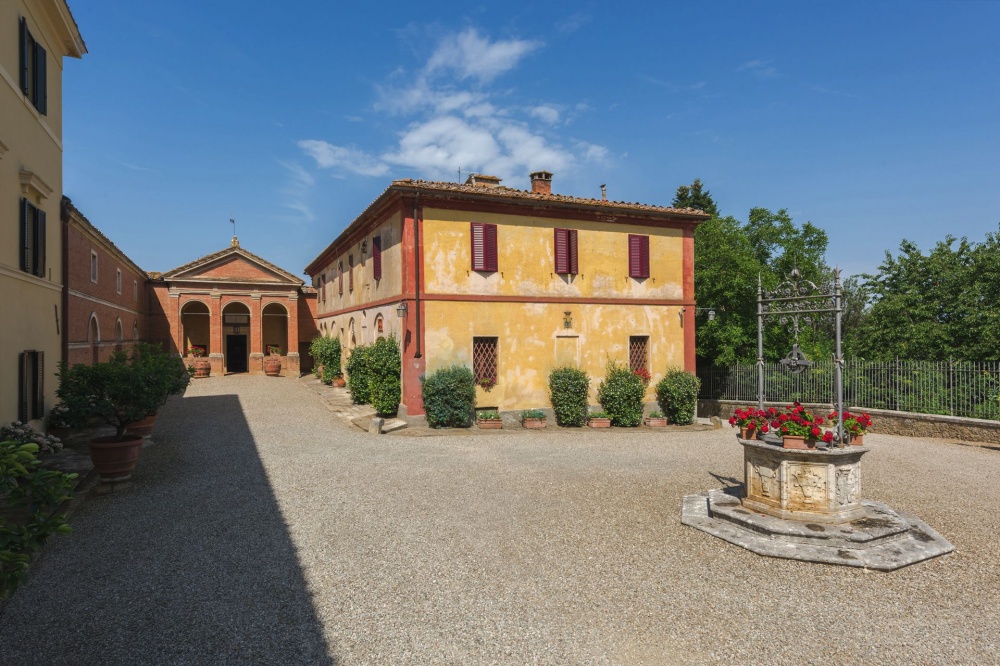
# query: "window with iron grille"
484,247
485,361
638,256
638,352
566,251
31,389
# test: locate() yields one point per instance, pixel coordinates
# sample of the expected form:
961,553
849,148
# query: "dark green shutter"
25,235
40,243
25,56
38,409
41,80
22,387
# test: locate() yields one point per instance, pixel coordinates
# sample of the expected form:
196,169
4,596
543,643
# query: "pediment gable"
233,264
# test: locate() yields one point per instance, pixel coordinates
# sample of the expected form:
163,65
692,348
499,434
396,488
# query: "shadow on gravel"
193,564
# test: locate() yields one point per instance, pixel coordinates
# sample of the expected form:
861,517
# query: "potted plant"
489,420
272,362
202,366
752,422
120,392
599,420
487,383
656,419
799,429
644,375
533,418
855,426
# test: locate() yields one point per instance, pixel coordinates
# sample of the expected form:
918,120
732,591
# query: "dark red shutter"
638,256
40,243
340,278
22,387
41,87
574,265
38,410
478,246
350,272
377,256
490,234
562,250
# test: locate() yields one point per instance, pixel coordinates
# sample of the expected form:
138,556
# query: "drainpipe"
416,272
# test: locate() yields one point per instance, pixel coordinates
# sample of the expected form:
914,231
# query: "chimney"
482,180
541,182
604,192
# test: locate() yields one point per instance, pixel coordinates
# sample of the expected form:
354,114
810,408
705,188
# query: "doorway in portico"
236,353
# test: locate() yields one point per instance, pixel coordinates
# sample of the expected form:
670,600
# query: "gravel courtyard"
261,529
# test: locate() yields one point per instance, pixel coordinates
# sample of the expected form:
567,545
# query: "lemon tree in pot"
127,388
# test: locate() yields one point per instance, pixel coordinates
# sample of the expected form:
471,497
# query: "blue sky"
876,121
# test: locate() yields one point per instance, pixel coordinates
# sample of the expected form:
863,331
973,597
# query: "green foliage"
449,397
489,415
30,497
326,352
692,196
933,306
532,414
569,389
358,376
127,388
384,370
656,414
598,415
620,395
677,395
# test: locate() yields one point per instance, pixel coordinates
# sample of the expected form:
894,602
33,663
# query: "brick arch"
119,334
94,337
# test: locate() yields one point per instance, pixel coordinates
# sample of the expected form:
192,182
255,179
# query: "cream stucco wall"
366,288
525,258
30,143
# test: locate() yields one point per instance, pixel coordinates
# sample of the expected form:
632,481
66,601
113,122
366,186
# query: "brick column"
256,335
294,362
216,357
175,323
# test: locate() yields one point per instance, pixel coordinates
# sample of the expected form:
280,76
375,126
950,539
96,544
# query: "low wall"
884,421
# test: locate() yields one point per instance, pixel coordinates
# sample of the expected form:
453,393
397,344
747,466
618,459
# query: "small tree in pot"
126,389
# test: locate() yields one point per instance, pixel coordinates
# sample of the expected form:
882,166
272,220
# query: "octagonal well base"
881,538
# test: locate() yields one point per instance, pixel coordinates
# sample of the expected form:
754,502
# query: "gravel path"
262,529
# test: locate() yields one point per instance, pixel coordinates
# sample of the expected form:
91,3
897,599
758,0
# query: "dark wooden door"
236,353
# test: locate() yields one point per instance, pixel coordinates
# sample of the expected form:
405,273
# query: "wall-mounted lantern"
364,247
401,309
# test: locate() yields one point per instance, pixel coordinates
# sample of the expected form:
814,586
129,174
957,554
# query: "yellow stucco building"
35,36
512,283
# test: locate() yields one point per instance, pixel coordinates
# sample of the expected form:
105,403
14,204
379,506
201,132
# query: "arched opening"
135,331
195,327
274,327
352,340
119,335
94,337
379,327
236,334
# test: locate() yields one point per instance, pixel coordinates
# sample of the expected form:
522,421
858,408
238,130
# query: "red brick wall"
238,269
87,299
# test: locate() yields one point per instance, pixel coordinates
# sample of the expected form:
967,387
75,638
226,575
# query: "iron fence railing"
956,388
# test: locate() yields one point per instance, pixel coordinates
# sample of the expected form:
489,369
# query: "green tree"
694,196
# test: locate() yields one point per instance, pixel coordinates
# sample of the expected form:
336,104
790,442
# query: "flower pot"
657,422
272,366
599,423
797,442
533,423
202,368
339,382
115,458
143,428
743,433
490,424
857,440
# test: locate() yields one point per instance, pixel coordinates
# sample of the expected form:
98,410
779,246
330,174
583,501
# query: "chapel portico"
236,307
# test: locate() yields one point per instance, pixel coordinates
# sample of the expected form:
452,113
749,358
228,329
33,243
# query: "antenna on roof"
460,175
232,221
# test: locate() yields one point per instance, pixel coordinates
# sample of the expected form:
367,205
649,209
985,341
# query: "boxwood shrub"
358,375
569,390
383,369
677,395
326,352
450,397
620,395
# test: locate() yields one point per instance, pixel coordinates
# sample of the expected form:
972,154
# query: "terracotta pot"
143,428
858,440
797,442
115,458
272,366
339,382
599,423
202,368
490,424
656,423
743,433
533,423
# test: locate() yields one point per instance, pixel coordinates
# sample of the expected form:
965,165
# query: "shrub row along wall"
885,422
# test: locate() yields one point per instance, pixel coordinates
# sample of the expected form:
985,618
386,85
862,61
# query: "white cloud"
573,23
297,192
762,69
470,55
545,113
329,156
